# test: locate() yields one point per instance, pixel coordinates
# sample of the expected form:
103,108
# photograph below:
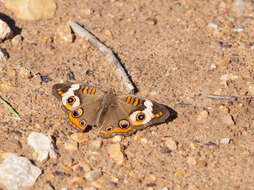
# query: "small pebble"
117,139
71,146
65,33
78,180
213,66
201,164
96,144
194,145
225,140
171,144
227,119
238,28
42,145
151,21
87,11
213,25
191,161
5,31
202,117
93,175
71,75
251,89
164,188
44,78
227,77
224,63
107,33
144,140
85,167
79,137
164,150
180,173
224,109
4,54
17,40
115,152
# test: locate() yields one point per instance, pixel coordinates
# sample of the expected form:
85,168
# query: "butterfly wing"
126,114
82,102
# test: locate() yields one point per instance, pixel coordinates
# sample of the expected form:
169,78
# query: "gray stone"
18,172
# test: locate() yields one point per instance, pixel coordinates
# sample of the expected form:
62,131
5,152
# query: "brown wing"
126,114
82,102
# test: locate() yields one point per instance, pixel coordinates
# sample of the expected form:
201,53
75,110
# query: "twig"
221,97
110,56
16,115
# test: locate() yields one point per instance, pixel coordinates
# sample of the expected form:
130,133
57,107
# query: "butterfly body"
113,114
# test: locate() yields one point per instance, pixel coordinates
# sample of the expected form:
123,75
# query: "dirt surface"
175,52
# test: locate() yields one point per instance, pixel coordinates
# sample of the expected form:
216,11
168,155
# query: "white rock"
164,188
5,31
18,172
171,144
41,144
93,175
213,25
225,140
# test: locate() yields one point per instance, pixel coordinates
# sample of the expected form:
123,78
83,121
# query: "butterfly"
88,106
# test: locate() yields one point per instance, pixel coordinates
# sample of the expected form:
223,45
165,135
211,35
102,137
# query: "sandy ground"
175,55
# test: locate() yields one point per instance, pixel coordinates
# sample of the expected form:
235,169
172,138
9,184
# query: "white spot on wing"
148,111
70,93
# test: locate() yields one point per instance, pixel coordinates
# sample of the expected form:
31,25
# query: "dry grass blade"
14,112
110,56
221,97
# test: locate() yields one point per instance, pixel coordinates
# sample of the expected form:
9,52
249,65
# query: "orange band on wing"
68,106
117,130
138,123
136,101
93,91
59,91
158,114
75,121
85,90
128,100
